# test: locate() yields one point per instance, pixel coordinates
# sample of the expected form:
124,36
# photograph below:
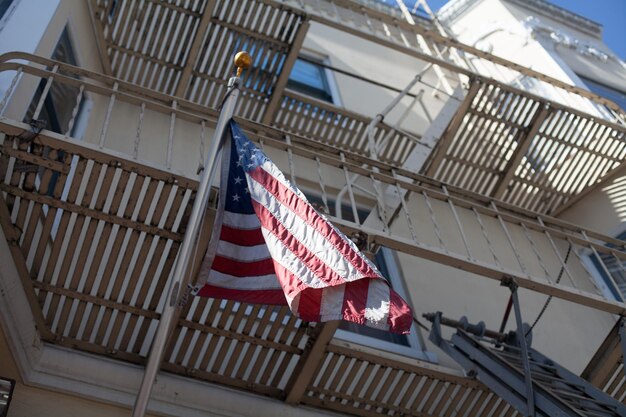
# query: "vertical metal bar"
138,134
45,92
107,117
9,92
584,264
486,236
604,268
380,203
355,213
556,250
524,351
202,138
170,138
79,100
186,252
622,337
292,169
434,219
508,236
458,221
537,254
321,179
405,209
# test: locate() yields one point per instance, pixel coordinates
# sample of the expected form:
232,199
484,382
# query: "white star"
239,163
238,180
247,190
236,197
253,156
250,165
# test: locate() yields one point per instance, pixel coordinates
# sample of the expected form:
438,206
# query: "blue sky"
611,14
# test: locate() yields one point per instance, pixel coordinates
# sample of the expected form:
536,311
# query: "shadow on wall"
617,195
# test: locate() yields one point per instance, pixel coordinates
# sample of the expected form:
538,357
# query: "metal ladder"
496,360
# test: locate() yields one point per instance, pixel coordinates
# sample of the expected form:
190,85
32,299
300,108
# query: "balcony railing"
421,41
341,128
94,230
524,150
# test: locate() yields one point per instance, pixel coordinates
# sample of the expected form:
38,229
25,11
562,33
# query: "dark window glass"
310,78
615,268
4,6
61,99
381,263
617,96
400,339
6,392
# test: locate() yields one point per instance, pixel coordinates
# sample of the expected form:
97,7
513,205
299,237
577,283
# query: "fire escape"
94,231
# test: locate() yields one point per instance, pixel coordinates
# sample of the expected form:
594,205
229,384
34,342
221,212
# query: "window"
310,78
6,392
4,7
61,99
387,263
614,285
617,96
58,107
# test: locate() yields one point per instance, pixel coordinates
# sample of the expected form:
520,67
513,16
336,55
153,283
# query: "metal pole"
186,251
530,400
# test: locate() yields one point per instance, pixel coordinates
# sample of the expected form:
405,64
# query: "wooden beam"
89,212
98,30
433,162
194,49
277,93
12,236
88,298
310,361
484,269
522,147
609,176
606,359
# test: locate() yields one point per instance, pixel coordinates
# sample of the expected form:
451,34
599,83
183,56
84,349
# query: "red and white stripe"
288,252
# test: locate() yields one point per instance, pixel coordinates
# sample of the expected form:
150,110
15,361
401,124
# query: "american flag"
270,246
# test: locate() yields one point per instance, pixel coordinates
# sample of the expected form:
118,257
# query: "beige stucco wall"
604,209
432,286
435,287
372,61
29,401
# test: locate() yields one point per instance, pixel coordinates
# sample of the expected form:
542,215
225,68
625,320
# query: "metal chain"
138,135
545,305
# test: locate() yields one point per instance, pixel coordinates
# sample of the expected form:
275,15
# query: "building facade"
476,155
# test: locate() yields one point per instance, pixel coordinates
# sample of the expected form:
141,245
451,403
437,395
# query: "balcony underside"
524,150
94,235
94,261
535,153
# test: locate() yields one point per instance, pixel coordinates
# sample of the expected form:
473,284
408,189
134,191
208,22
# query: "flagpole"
242,61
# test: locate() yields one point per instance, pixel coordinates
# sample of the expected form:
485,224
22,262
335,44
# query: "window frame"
599,88
333,91
606,284
8,395
417,347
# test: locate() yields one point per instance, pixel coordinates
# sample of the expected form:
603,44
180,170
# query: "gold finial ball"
243,60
